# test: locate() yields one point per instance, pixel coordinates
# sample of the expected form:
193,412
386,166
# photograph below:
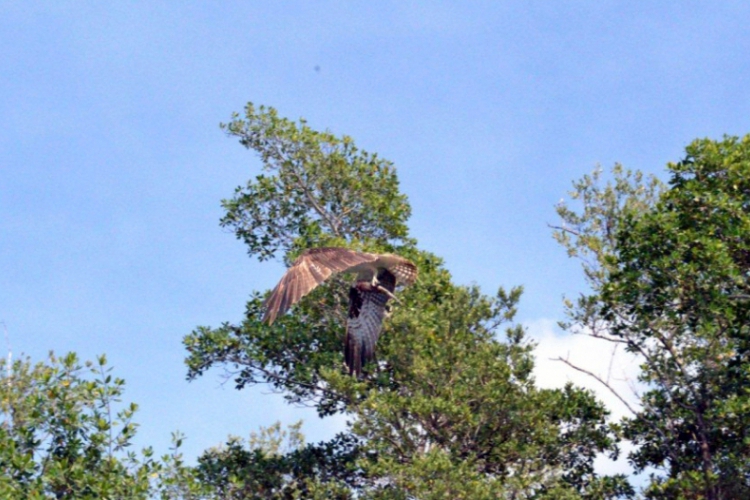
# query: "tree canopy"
61,435
450,409
669,268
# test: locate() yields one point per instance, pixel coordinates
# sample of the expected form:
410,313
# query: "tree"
669,279
450,411
278,464
60,436
64,433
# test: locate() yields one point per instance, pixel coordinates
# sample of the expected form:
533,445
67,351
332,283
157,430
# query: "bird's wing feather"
311,268
366,314
404,270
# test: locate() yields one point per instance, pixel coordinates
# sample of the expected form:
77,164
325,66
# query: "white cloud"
597,356
606,360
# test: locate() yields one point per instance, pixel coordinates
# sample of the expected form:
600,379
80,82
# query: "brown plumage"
377,277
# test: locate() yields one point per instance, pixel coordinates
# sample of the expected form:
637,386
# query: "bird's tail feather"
358,351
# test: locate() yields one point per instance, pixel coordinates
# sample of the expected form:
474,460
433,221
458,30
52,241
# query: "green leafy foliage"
450,410
60,436
320,187
65,433
263,469
672,286
590,235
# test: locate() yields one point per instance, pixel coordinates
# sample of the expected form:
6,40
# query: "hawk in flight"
377,277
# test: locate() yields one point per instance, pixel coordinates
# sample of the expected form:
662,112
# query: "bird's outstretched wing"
311,269
366,314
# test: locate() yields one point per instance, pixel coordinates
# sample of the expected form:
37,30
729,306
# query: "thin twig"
564,229
275,377
9,367
611,363
600,380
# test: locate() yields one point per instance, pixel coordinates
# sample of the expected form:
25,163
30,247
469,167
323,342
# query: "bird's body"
366,314
377,277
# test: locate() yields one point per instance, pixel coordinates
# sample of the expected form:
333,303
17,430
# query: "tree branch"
600,380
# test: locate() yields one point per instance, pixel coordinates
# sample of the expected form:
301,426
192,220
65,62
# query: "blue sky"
112,164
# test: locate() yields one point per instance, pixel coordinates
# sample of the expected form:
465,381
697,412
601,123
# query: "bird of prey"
377,277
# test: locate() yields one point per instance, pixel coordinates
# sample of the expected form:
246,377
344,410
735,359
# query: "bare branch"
611,363
564,229
332,222
600,380
272,377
